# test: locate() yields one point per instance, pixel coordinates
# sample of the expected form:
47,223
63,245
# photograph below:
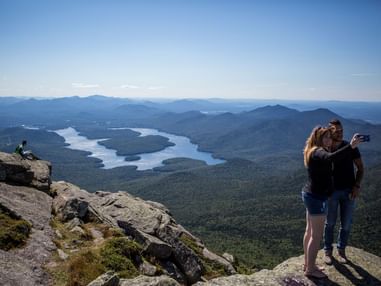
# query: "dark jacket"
320,172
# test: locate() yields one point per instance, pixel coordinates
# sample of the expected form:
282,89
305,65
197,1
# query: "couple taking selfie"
335,171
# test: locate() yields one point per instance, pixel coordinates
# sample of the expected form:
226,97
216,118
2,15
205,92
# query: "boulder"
147,268
150,243
107,279
228,257
34,173
185,257
70,201
122,208
170,269
149,281
220,260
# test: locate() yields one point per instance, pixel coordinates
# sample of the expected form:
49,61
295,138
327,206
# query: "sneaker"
342,257
328,258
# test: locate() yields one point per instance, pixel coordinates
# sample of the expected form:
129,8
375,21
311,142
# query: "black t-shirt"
343,170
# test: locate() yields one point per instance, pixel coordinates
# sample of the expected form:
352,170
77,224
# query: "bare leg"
317,228
306,239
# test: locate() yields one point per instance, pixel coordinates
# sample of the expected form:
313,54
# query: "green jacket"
20,150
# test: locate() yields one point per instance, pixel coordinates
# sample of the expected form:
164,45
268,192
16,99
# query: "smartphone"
364,138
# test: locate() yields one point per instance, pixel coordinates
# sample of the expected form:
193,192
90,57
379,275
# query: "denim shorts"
314,205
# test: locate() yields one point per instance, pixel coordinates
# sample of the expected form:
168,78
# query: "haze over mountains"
367,111
244,206
246,131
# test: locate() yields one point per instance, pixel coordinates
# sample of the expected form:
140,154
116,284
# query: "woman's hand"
355,141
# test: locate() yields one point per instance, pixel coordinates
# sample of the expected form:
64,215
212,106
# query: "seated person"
25,154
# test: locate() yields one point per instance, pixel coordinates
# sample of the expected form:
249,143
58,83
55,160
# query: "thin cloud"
129,86
363,74
84,85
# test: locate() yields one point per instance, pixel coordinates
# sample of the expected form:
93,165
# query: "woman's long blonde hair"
314,141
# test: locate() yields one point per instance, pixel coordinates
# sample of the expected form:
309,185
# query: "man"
347,184
25,154
20,148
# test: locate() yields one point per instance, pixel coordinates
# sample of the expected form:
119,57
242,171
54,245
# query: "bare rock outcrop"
110,279
33,173
149,223
24,266
364,269
21,183
107,279
149,281
26,191
71,202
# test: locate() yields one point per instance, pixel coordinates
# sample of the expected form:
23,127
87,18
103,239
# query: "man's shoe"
328,258
342,257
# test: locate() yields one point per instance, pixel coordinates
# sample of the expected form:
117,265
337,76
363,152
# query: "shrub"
13,231
191,243
84,268
120,255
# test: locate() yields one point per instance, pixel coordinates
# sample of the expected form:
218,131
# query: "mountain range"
244,206
12,106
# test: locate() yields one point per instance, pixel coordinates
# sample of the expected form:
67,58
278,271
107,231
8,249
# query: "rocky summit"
15,169
363,269
104,238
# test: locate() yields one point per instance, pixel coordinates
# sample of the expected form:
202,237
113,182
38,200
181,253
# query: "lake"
182,148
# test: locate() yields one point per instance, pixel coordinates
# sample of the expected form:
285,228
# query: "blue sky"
192,49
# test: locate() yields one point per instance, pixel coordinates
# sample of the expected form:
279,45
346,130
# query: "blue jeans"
339,201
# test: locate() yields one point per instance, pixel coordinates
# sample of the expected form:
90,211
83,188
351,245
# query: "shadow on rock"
356,274
323,282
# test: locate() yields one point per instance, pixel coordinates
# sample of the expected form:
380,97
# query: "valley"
249,206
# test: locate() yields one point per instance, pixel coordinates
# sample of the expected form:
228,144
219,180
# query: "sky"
269,49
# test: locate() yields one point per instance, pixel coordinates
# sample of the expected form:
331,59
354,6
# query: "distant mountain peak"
98,96
271,111
323,112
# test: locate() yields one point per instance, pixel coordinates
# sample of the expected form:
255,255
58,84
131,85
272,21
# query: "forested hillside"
258,217
249,206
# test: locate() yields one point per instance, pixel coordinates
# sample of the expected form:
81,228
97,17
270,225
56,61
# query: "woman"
318,160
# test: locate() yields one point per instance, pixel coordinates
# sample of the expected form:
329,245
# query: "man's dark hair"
335,122
23,142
